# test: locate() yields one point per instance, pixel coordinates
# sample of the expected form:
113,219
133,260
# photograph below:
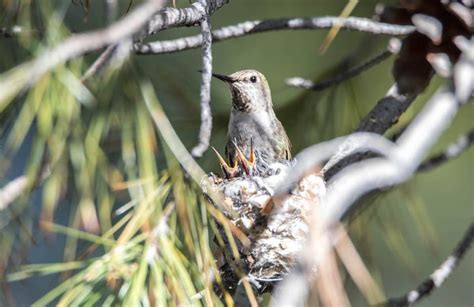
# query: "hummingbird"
254,132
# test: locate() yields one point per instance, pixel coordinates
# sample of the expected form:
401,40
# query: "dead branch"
438,277
172,17
206,115
318,86
258,26
451,152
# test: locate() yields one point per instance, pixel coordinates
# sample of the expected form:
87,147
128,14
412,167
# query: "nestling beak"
223,78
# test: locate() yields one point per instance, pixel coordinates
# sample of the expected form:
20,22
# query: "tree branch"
165,19
387,111
439,276
100,63
451,152
360,178
309,158
317,86
191,16
206,115
258,26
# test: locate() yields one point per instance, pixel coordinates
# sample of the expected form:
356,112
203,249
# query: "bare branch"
439,276
317,86
191,16
258,26
102,61
167,18
206,115
360,178
112,57
309,158
353,144
386,112
451,152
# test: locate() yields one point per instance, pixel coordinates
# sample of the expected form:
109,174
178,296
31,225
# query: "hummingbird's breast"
262,129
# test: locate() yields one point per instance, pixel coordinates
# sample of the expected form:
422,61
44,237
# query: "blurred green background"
403,235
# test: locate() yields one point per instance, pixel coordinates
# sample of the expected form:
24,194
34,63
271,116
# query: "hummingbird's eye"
253,79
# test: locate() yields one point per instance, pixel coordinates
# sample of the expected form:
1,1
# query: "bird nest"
276,228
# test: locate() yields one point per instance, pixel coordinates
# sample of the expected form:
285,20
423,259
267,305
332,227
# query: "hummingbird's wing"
283,149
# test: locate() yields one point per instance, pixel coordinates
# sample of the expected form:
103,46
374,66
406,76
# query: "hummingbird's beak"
223,78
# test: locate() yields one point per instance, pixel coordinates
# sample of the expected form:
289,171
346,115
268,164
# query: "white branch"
206,115
258,26
397,165
310,158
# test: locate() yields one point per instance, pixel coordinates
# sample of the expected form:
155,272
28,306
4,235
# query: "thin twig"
317,86
167,18
451,152
257,26
100,63
111,11
206,115
439,276
358,179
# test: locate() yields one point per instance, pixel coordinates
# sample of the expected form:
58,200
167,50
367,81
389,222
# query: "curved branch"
451,152
100,63
317,86
165,19
363,177
257,26
191,16
439,276
206,115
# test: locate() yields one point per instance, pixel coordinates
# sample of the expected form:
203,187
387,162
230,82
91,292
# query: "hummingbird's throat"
240,101
241,106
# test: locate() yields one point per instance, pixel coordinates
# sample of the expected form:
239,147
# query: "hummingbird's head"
249,89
